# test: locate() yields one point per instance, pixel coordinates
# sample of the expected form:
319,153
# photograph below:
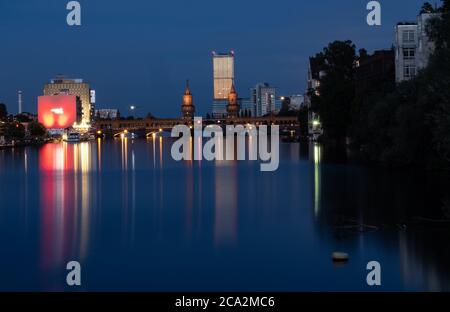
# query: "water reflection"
66,198
25,161
226,205
161,152
316,158
128,203
99,154
124,150
189,202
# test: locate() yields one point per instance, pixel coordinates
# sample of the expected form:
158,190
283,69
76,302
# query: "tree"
36,129
3,112
14,131
367,96
445,6
285,106
362,53
23,118
303,120
438,30
427,8
337,88
411,125
437,79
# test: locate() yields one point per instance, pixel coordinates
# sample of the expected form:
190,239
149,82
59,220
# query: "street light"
132,109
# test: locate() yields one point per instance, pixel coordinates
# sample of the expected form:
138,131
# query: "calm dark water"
137,220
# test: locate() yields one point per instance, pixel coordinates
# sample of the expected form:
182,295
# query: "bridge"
149,126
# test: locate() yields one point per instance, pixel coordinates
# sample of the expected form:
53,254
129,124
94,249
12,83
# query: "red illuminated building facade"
58,111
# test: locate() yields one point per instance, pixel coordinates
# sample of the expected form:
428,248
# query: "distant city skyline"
141,53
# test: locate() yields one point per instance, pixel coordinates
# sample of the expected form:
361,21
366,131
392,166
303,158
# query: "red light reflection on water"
65,204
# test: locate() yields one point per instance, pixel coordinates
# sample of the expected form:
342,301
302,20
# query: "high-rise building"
412,47
93,97
73,87
223,75
263,96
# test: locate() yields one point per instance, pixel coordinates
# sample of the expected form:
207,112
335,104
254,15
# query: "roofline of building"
406,23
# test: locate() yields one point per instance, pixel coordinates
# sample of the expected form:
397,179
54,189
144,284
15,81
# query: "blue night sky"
140,52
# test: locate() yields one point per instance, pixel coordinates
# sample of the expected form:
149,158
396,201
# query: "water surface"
137,220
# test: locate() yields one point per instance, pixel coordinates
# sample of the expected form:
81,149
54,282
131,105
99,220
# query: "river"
137,220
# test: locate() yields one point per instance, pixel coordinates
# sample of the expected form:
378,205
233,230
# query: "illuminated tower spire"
188,108
233,107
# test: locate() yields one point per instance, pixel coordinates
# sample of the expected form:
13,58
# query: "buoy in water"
340,257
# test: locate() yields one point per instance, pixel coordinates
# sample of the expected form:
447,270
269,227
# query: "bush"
36,129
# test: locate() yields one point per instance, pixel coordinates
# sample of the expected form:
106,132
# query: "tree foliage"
36,129
337,87
3,111
14,131
404,124
427,8
411,124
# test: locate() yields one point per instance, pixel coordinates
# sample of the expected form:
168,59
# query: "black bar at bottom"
204,301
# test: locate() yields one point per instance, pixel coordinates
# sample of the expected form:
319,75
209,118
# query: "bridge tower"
188,108
233,107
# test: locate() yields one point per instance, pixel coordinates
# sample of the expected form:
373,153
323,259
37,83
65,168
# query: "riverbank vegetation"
395,124
20,130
